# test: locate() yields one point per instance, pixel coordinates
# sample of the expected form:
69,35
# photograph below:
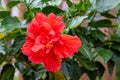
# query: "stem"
89,28
20,31
93,16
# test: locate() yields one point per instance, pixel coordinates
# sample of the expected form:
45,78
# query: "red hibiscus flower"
45,43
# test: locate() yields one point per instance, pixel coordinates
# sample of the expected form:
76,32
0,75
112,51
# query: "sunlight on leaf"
75,22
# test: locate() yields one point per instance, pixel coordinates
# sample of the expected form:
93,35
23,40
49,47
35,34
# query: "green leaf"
56,2
96,73
116,35
97,34
12,35
100,23
85,40
39,71
116,57
9,24
16,46
86,63
71,70
93,2
75,22
106,54
20,66
105,5
34,10
12,3
65,69
111,65
2,58
7,72
44,1
69,3
4,14
2,47
34,3
28,74
86,52
117,71
30,14
107,15
54,9
118,12
116,46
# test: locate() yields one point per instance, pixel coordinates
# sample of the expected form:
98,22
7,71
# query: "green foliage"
95,33
108,15
100,23
71,70
86,63
86,52
8,24
7,72
106,54
75,22
94,42
12,3
54,9
111,65
105,5
4,14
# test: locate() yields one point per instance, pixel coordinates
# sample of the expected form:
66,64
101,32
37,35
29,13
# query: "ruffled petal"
46,27
51,19
36,57
72,43
56,22
37,47
60,18
61,50
52,62
40,17
59,26
68,46
33,29
26,49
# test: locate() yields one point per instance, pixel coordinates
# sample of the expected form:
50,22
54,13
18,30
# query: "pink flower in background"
45,43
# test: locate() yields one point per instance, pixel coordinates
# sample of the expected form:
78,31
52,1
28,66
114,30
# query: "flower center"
48,45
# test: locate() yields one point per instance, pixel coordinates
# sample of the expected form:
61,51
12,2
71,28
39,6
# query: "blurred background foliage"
98,47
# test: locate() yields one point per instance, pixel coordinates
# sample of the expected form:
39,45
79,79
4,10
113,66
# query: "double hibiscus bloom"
45,43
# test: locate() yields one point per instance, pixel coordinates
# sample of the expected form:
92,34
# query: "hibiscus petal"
72,43
36,57
46,27
59,26
52,62
40,17
33,29
26,49
61,50
37,47
51,19
56,22
60,18
69,46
